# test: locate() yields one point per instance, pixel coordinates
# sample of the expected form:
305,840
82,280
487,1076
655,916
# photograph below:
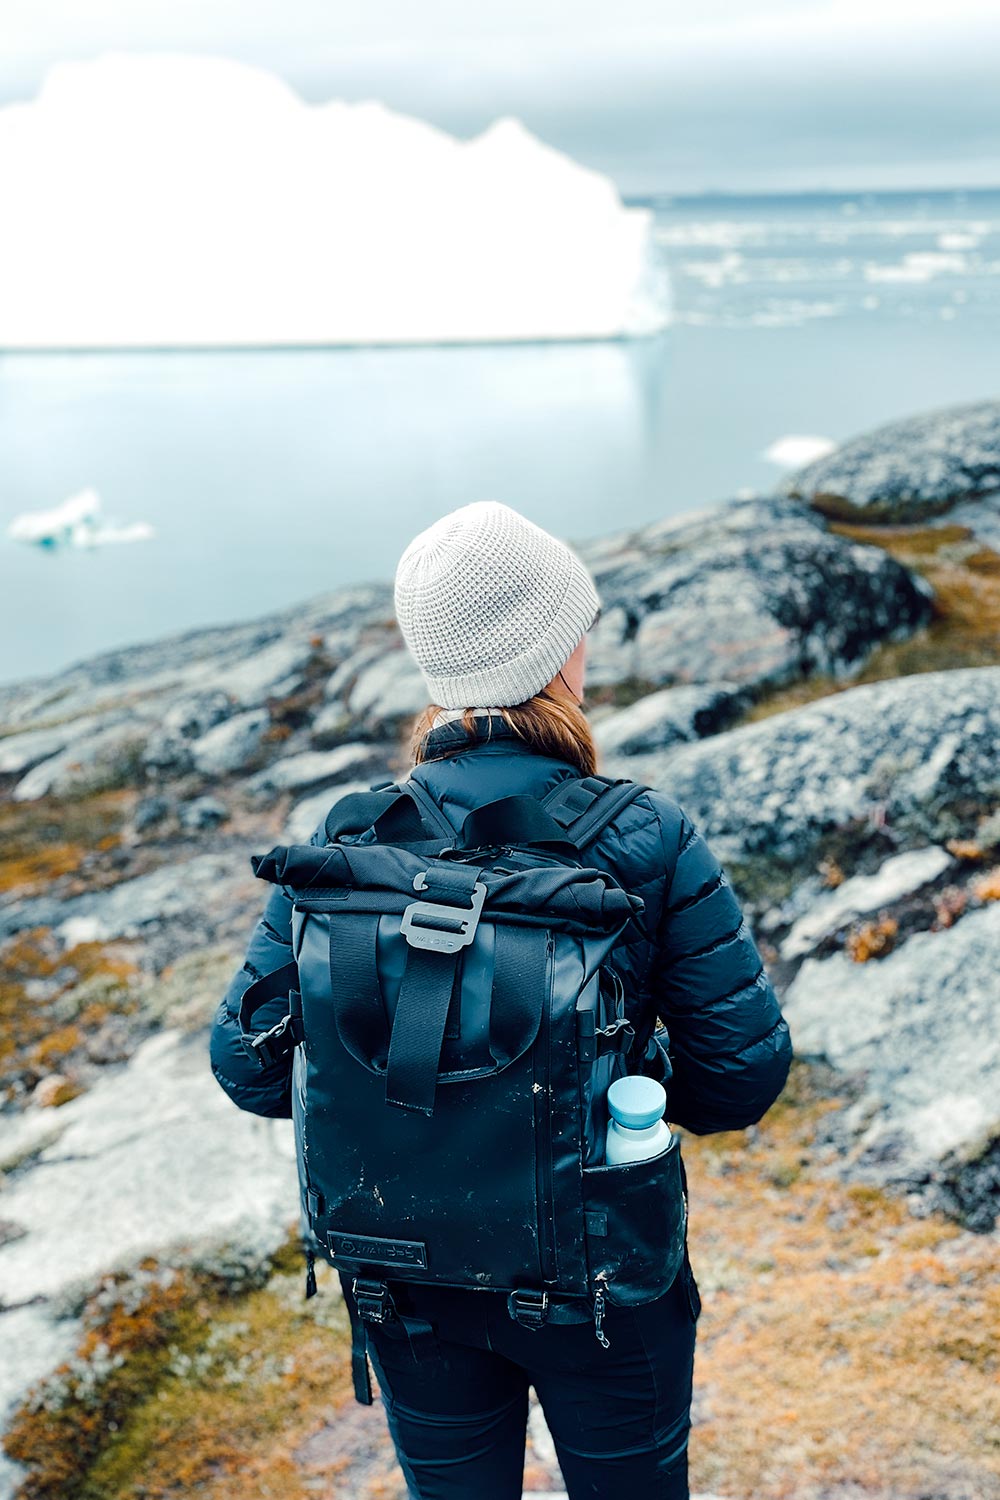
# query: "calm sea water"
270,477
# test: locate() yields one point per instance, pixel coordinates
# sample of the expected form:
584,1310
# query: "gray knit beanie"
491,606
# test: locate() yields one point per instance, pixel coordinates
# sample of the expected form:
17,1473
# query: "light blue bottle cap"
637,1102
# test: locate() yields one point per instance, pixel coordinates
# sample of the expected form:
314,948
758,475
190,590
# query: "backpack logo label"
388,1252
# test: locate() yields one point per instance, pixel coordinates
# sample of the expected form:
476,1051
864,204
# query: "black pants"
619,1416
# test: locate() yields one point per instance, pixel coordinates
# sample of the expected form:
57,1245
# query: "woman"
496,613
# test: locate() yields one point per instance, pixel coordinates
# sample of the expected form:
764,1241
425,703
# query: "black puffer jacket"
693,963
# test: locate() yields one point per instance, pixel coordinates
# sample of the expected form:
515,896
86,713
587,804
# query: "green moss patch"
53,1002
964,630
53,838
183,1384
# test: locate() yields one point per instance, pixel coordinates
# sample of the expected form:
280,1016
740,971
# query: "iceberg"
77,522
174,201
796,449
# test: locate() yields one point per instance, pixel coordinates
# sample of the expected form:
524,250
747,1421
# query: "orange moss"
826,1371
844,1346
949,905
56,1045
214,1393
59,1431
53,838
966,850
30,1040
987,887
872,939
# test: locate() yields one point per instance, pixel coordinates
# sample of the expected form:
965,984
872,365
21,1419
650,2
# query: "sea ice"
77,522
169,200
795,450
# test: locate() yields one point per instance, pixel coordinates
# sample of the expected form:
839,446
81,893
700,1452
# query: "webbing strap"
604,811
418,1029
518,982
369,1301
360,1374
585,807
267,987
354,987
393,812
513,820
281,1039
573,797
429,809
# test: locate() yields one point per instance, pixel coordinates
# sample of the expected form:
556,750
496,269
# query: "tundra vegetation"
818,681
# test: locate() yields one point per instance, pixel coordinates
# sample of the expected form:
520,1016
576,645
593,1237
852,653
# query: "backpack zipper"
602,1337
543,1131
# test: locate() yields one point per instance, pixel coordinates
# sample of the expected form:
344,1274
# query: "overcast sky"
669,97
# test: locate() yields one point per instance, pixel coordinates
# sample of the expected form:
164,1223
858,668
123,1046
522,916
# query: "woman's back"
495,611
688,960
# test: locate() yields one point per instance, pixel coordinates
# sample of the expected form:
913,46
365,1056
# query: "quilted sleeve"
729,1042
262,1091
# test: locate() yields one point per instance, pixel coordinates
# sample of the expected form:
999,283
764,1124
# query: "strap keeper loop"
529,1308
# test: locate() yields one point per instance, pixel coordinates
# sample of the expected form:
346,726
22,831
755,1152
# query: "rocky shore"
804,672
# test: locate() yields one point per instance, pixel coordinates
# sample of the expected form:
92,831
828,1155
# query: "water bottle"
636,1129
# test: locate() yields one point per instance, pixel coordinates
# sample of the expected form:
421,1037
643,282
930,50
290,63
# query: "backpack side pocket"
636,1222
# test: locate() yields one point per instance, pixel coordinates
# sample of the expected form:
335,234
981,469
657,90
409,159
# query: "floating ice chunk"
77,522
958,240
918,266
793,451
48,527
221,209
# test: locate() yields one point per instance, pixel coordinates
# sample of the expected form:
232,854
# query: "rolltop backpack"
455,1020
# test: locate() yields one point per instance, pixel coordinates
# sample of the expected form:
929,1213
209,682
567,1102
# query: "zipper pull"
599,1318
310,1274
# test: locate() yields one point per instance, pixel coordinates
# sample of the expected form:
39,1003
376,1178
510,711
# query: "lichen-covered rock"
915,754
152,1120
166,753
268,673
195,714
231,744
753,592
922,1026
310,767
899,876
907,470
672,716
202,812
150,811
19,751
175,892
152,1159
197,663
610,649
391,688
92,760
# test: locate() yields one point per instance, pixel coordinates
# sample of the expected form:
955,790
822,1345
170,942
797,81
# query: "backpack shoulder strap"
584,806
428,808
396,815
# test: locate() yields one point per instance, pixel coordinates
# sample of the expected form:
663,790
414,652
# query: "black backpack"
457,1021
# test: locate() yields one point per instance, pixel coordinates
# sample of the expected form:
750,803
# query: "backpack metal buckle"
529,1308
374,1302
460,922
272,1045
